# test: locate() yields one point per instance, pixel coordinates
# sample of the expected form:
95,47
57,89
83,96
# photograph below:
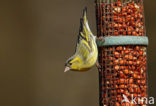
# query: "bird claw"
98,66
101,38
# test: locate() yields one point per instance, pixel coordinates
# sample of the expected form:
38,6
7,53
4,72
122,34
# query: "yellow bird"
86,52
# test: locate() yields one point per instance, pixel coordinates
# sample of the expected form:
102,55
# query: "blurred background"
36,38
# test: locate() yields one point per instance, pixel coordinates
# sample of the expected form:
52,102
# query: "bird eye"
70,64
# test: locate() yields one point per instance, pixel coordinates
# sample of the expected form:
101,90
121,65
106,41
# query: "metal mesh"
124,68
120,17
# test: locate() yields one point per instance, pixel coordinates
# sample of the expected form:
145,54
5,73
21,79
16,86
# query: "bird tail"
84,31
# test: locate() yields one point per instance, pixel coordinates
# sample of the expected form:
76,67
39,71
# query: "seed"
119,98
119,48
138,81
121,61
116,33
124,9
132,19
130,62
130,72
133,24
122,52
129,11
117,104
137,48
116,61
134,33
117,9
131,89
120,91
116,86
136,6
134,53
115,18
122,86
120,20
133,67
116,54
121,74
135,75
121,67
129,33
130,80
126,51
124,32
128,18
126,56
124,14
143,82
139,76
138,62
126,71
120,80
116,67
134,58
127,93
141,52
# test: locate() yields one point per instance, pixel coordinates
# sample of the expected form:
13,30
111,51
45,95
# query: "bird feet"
100,38
98,66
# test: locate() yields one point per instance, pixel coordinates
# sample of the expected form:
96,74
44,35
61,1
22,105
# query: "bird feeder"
123,55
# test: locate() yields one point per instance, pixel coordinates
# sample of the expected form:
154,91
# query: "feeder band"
123,40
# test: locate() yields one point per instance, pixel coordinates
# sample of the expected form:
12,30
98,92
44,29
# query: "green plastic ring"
123,40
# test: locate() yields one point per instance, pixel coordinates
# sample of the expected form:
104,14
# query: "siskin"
86,52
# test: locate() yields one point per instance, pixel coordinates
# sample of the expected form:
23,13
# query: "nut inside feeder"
124,64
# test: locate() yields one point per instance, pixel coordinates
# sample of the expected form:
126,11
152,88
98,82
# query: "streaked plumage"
86,50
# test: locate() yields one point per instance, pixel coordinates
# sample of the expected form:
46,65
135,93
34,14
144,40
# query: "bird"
86,51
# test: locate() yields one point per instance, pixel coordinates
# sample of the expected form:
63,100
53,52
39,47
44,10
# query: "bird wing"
83,44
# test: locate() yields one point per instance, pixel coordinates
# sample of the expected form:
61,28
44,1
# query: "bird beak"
66,69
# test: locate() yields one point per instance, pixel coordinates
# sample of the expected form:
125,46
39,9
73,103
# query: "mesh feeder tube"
122,56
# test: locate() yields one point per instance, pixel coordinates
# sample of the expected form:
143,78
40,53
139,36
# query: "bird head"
72,64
